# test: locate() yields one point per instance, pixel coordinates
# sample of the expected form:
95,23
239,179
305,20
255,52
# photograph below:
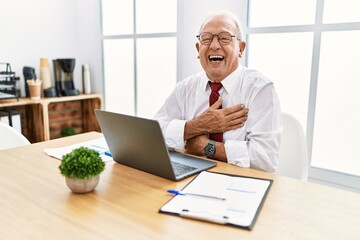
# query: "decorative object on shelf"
64,79
47,88
81,168
29,74
67,131
8,82
34,89
86,79
45,73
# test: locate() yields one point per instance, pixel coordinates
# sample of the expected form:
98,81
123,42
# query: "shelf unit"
43,119
7,82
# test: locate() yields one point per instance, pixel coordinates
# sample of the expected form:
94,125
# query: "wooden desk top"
35,203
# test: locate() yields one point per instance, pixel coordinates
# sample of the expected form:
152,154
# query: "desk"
35,203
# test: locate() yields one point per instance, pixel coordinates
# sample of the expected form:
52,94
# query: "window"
139,51
335,144
310,50
341,11
281,12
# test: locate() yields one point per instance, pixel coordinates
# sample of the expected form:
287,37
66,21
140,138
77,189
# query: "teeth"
216,56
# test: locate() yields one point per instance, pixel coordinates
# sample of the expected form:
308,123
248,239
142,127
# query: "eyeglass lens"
223,38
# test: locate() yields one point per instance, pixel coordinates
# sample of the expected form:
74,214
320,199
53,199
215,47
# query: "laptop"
138,143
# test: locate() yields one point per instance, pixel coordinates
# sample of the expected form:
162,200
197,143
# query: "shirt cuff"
237,153
174,136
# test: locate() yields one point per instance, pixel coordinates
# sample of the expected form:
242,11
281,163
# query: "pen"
204,216
176,192
106,152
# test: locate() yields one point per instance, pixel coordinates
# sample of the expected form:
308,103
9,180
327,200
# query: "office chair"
293,154
10,137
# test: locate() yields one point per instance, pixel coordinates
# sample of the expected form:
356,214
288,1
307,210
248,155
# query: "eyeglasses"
206,38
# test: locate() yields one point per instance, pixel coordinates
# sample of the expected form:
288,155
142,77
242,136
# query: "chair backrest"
293,155
10,137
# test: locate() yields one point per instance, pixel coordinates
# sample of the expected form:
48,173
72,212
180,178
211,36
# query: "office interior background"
139,49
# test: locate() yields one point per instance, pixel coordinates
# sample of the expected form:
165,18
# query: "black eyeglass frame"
217,35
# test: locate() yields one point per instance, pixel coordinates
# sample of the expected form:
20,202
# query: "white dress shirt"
256,144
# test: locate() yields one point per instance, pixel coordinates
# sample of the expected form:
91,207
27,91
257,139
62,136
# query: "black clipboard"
174,205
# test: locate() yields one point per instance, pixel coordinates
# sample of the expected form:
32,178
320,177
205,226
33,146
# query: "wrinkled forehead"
218,24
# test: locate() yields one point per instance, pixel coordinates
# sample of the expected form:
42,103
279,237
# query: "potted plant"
67,131
81,168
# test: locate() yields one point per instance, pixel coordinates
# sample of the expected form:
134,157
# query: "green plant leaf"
81,163
67,131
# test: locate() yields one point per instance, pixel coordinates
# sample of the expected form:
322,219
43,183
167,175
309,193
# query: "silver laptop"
139,143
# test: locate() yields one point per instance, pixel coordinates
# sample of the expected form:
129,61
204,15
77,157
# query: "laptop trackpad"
193,164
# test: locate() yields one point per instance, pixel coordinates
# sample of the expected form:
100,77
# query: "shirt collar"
227,83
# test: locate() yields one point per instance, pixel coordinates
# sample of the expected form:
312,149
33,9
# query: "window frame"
316,174
134,36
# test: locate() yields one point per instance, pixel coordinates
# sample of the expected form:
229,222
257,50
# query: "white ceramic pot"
82,185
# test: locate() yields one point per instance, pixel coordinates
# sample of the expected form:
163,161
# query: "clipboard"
220,198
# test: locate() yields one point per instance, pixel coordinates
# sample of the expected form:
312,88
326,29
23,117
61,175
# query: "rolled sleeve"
174,136
237,153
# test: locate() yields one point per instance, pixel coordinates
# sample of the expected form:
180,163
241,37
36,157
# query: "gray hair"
229,15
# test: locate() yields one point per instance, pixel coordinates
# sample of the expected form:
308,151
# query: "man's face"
218,60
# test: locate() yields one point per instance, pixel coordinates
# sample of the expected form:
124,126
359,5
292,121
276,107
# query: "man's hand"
215,120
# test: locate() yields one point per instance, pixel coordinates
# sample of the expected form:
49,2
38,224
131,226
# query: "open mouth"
216,58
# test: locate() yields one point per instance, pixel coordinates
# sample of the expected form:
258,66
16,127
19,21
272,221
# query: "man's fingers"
237,121
217,104
234,127
233,109
225,119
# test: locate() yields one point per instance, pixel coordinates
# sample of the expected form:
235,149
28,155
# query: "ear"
242,46
197,46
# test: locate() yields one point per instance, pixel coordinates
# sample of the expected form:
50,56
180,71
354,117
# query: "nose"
215,44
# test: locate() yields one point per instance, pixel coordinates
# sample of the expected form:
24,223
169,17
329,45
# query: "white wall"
191,15
31,29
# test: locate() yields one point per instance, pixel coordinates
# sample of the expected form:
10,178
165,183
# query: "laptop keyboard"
181,169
